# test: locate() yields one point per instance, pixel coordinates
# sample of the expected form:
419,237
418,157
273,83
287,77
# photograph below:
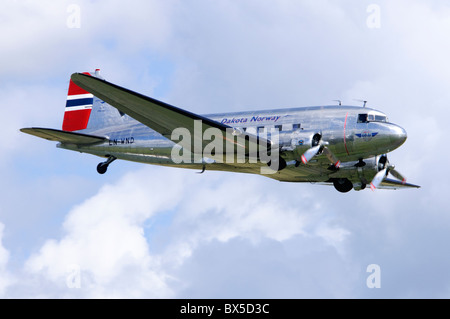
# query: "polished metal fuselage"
339,127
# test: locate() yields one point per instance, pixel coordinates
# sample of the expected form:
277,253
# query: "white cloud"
39,44
166,233
30,31
107,236
6,278
26,106
104,236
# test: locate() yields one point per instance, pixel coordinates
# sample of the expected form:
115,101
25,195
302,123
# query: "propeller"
310,153
331,157
384,169
318,148
378,179
397,175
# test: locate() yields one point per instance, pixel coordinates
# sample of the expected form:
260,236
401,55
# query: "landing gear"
103,166
278,164
203,169
343,185
360,163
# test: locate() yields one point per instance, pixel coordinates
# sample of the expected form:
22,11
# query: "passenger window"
296,127
278,128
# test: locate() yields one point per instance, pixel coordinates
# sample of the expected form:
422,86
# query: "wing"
164,118
389,183
63,136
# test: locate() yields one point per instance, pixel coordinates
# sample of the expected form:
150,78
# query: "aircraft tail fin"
78,108
87,113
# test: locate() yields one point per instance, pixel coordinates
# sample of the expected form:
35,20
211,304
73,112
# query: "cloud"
111,237
35,26
300,267
6,279
104,237
47,47
27,106
159,232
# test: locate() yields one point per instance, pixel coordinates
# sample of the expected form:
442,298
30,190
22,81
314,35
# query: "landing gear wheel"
343,185
102,168
278,164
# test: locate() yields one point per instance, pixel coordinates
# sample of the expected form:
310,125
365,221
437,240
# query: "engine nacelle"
299,141
366,169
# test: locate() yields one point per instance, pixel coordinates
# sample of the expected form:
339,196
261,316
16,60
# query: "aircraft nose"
397,135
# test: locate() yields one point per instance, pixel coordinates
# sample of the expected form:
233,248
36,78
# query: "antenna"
340,102
365,102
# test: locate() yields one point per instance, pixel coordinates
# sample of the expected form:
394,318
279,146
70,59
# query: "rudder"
78,108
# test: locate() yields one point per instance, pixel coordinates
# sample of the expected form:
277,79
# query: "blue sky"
152,232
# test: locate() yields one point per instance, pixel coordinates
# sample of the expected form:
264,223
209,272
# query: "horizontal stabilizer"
63,136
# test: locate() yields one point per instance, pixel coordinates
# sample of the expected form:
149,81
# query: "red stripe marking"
345,142
304,160
76,120
75,89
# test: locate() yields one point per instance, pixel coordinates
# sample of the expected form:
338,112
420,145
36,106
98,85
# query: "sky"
143,231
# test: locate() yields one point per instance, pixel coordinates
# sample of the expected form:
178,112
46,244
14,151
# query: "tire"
102,168
343,185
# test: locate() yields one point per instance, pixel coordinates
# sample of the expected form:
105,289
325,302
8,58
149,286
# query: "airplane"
341,145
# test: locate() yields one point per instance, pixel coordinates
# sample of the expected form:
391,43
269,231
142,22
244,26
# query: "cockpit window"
376,118
365,118
380,118
362,118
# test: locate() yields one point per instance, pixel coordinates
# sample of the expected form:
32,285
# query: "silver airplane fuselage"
343,146
357,136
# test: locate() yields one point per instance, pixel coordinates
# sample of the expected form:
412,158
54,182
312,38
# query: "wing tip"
397,184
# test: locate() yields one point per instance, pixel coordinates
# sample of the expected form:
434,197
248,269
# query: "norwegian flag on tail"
78,108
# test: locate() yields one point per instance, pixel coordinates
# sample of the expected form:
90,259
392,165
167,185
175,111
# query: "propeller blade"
310,153
331,157
378,179
398,175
